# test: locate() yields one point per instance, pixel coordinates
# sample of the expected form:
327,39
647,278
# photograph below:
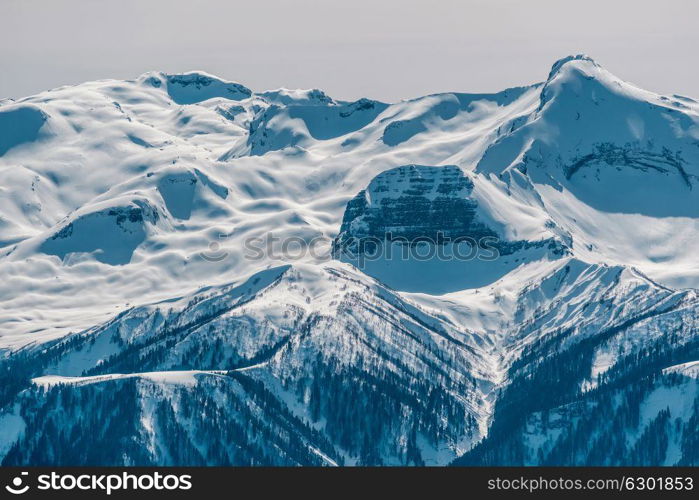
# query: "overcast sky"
385,49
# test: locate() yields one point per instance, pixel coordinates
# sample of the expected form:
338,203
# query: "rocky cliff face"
416,204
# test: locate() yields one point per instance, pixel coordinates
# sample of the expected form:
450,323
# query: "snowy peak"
579,61
581,77
291,97
593,133
195,86
300,123
575,77
615,166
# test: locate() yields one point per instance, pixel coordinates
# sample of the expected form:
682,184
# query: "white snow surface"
185,377
111,191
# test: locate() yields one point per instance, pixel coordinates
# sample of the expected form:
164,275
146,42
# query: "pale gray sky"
384,49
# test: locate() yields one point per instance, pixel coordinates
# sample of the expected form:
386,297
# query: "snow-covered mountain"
197,273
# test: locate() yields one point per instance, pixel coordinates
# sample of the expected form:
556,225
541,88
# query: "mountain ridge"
172,242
